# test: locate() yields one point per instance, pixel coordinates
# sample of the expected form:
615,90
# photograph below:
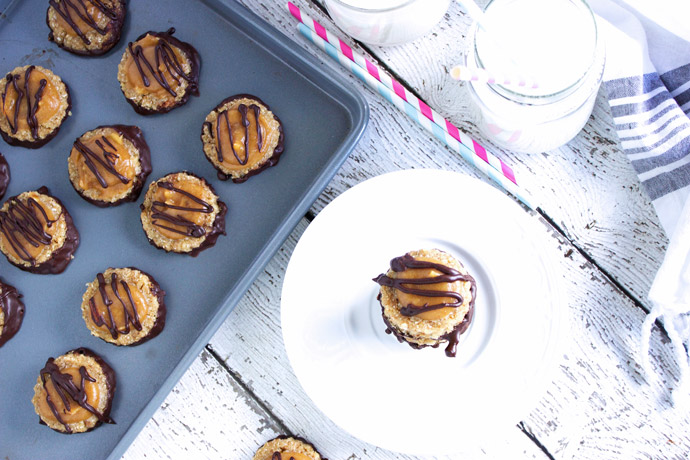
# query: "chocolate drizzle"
13,309
242,109
277,456
449,275
32,107
164,53
67,8
22,219
208,129
136,137
68,391
24,222
105,158
129,316
4,175
190,228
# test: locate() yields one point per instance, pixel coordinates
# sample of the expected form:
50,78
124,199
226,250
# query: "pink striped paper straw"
403,93
464,73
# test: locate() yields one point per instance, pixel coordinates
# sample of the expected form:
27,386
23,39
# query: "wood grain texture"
251,344
588,187
206,416
598,406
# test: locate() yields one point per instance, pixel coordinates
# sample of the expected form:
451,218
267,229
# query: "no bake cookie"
85,27
37,233
124,306
427,298
182,213
241,137
109,165
158,72
74,392
11,312
35,103
287,448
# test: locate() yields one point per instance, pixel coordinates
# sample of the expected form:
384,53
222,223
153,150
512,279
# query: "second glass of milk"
555,43
386,22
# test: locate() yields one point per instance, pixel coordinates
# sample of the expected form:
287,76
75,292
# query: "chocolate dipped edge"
114,26
58,261
38,143
158,326
217,229
194,63
13,309
297,438
136,137
451,337
111,384
4,176
270,161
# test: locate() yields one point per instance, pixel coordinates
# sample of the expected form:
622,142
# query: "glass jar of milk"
386,22
555,43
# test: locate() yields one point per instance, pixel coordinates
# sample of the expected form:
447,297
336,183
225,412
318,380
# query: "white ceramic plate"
382,391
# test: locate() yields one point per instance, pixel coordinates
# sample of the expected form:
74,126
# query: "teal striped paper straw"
415,115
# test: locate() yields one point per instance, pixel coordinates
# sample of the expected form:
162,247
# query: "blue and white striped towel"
647,79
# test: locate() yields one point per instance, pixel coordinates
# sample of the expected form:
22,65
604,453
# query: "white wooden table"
241,391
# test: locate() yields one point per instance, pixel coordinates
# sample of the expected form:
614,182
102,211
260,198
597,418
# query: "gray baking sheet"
323,119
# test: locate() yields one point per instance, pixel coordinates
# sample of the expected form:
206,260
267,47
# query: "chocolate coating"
277,151
111,383
136,137
217,229
194,63
159,324
115,26
62,256
13,309
38,143
4,176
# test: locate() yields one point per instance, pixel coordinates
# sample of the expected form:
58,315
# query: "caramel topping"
104,162
155,67
426,289
117,306
26,227
70,395
179,212
239,135
29,99
289,456
76,17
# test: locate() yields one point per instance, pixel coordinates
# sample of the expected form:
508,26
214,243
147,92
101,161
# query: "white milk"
555,43
386,22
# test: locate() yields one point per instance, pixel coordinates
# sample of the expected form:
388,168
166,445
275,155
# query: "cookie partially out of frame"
85,27
287,448
11,312
158,72
33,124
4,176
124,306
74,392
241,137
109,164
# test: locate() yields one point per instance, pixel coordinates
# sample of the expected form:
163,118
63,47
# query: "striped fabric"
651,117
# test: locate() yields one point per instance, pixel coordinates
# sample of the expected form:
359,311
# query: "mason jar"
556,43
386,22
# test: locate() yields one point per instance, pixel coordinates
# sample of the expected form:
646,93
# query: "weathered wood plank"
588,187
251,344
207,415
